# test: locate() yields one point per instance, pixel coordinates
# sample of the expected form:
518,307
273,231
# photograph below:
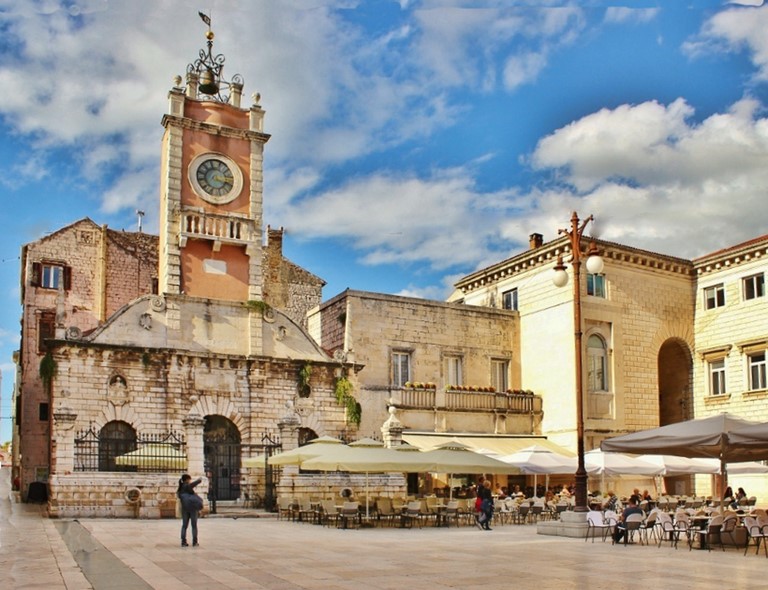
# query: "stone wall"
103,495
288,287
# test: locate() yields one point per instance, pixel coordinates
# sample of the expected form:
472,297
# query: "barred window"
116,438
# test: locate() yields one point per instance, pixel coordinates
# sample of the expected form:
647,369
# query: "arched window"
597,364
306,435
116,438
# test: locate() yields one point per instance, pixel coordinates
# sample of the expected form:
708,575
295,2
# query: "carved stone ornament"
268,315
73,333
145,321
117,391
157,303
281,332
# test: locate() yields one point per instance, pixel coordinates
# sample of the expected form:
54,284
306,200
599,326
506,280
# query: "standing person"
191,504
486,506
479,498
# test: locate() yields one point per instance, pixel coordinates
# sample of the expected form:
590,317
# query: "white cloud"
521,69
733,30
443,220
657,179
623,14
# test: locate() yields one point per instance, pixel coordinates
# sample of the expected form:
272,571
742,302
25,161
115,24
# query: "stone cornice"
734,256
549,252
193,125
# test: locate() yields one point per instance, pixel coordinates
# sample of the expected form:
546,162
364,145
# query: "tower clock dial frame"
215,178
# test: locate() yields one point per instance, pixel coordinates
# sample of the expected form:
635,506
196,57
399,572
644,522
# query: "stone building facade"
191,342
636,315
71,281
731,341
433,361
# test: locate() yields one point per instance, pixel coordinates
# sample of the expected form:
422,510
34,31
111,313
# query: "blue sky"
412,141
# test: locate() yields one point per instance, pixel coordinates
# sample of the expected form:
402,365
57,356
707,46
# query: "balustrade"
516,403
221,227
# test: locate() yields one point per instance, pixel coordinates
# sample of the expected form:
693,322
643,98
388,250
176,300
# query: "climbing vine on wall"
47,369
303,376
345,398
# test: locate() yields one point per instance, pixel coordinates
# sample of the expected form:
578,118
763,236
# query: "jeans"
186,517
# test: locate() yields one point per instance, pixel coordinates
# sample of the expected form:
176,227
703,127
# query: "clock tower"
211,186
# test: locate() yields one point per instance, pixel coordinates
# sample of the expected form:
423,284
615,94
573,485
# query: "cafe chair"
597,524
756,533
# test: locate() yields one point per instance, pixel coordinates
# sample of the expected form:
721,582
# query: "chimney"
535,241
275,240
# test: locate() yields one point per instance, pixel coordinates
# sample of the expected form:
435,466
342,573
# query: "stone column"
193,430
63,459
289,437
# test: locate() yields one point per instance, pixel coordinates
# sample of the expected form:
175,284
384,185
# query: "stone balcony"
463,401
221,229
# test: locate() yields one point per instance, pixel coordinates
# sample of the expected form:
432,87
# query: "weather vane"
207,70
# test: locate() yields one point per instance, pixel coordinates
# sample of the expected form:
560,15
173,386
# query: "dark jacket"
190,501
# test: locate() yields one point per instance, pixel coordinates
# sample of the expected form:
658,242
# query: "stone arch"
675,381
216,405
312,421
122,413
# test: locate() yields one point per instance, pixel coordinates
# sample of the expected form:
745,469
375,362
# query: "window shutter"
67,277
37,272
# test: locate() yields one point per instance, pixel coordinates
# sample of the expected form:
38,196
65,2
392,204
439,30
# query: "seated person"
632,508
612,503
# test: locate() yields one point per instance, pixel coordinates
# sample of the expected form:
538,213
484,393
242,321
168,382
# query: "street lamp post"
595,266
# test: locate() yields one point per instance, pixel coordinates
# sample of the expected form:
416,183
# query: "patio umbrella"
600,463
676,465
297,456
155,456
366,456
537,460
454,457
704,437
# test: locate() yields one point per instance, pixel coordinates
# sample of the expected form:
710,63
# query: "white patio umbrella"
599,463
537,460
676,465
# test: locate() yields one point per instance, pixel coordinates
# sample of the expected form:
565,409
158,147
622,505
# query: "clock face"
215,178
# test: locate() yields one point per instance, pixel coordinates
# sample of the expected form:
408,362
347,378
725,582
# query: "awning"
498,444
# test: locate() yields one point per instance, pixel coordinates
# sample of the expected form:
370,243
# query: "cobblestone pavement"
264,553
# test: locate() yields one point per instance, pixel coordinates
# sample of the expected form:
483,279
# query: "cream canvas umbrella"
154,456
297,456
367,456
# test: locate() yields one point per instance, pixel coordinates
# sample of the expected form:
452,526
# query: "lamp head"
560,278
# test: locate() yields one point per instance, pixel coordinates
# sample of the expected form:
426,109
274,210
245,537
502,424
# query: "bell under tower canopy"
205,78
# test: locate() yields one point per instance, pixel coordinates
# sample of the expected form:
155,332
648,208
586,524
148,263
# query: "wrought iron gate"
221,446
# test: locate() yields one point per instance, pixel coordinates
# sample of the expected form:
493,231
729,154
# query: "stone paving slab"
282,555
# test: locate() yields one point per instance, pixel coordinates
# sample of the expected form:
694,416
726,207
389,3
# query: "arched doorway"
675,367
675,382
221,441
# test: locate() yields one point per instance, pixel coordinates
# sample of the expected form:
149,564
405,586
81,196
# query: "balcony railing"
222,228
434,399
